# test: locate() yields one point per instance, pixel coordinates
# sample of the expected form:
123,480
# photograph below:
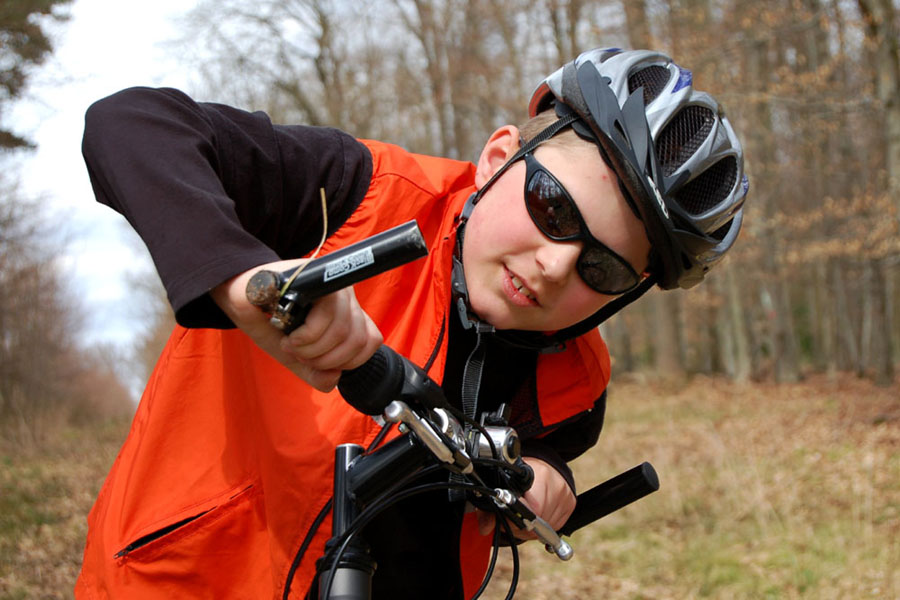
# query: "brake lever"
399,412
514,509
523,518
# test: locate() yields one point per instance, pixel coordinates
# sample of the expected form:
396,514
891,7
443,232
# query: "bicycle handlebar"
391,385
288,296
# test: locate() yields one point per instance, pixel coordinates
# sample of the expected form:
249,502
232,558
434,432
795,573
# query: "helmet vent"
683,136
708,189
720,233
653,79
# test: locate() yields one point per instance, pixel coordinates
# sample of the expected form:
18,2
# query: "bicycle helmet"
672,147
676,156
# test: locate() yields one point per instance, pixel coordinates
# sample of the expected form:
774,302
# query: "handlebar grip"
385,377
611,495
370,387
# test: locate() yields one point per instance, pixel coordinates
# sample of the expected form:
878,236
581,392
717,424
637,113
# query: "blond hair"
566,139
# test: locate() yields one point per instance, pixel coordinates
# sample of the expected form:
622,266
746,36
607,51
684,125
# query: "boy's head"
560,228
553,239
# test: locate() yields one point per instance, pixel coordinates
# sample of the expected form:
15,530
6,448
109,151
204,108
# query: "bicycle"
484,456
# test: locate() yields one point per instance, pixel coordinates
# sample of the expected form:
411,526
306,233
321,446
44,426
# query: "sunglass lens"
605,272
555,214
551,211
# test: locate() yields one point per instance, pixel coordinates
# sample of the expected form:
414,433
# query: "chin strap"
608,310
458,277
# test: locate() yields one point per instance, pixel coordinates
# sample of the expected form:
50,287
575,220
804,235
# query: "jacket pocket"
151,537
219,552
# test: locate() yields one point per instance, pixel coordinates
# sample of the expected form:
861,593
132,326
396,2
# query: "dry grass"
45,496
766,492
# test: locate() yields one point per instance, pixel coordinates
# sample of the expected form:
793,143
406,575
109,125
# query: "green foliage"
24,43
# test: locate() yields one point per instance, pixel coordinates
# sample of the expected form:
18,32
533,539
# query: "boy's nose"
556,260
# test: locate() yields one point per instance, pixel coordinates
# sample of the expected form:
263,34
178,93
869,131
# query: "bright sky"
108,45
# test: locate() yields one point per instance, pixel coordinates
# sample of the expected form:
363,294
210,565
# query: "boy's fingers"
327,322
337,334
324,381
349,346
486,522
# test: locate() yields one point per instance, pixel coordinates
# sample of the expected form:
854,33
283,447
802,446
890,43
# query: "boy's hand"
337,334
549,497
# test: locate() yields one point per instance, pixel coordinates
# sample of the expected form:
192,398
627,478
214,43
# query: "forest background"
801,323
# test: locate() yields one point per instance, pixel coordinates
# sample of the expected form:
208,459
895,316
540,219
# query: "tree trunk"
865,329
636,23
824,341
742,364
882,352
844,332
882,31
618,337
882,34
787,369
666,349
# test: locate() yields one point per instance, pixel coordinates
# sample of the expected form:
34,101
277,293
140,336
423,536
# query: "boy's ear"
502,144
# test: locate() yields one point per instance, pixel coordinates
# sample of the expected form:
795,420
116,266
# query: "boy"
624,178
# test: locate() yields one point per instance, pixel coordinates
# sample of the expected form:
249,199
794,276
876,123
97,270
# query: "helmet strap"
530,145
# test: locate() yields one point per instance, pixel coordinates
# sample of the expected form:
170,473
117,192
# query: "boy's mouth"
518,291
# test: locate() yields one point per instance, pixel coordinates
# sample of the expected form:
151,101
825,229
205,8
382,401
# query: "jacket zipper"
144,540
437,346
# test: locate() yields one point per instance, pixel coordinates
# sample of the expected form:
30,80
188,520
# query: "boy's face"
504,249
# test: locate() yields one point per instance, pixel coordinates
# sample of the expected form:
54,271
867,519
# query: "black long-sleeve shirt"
214,191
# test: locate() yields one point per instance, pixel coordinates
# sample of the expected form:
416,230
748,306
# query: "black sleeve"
214,191
569,441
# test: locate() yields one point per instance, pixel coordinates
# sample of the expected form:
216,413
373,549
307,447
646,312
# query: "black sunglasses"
556,215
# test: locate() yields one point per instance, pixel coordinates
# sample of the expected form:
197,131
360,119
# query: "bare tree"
811,86
882,31
44,374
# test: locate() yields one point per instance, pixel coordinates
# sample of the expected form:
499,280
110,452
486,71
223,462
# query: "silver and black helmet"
676,154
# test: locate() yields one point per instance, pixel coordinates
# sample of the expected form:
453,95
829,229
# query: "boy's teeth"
520,286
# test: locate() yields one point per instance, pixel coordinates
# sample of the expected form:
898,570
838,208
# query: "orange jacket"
230,455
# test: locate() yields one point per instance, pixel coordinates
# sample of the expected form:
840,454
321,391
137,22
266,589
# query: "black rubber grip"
370,387
611,495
